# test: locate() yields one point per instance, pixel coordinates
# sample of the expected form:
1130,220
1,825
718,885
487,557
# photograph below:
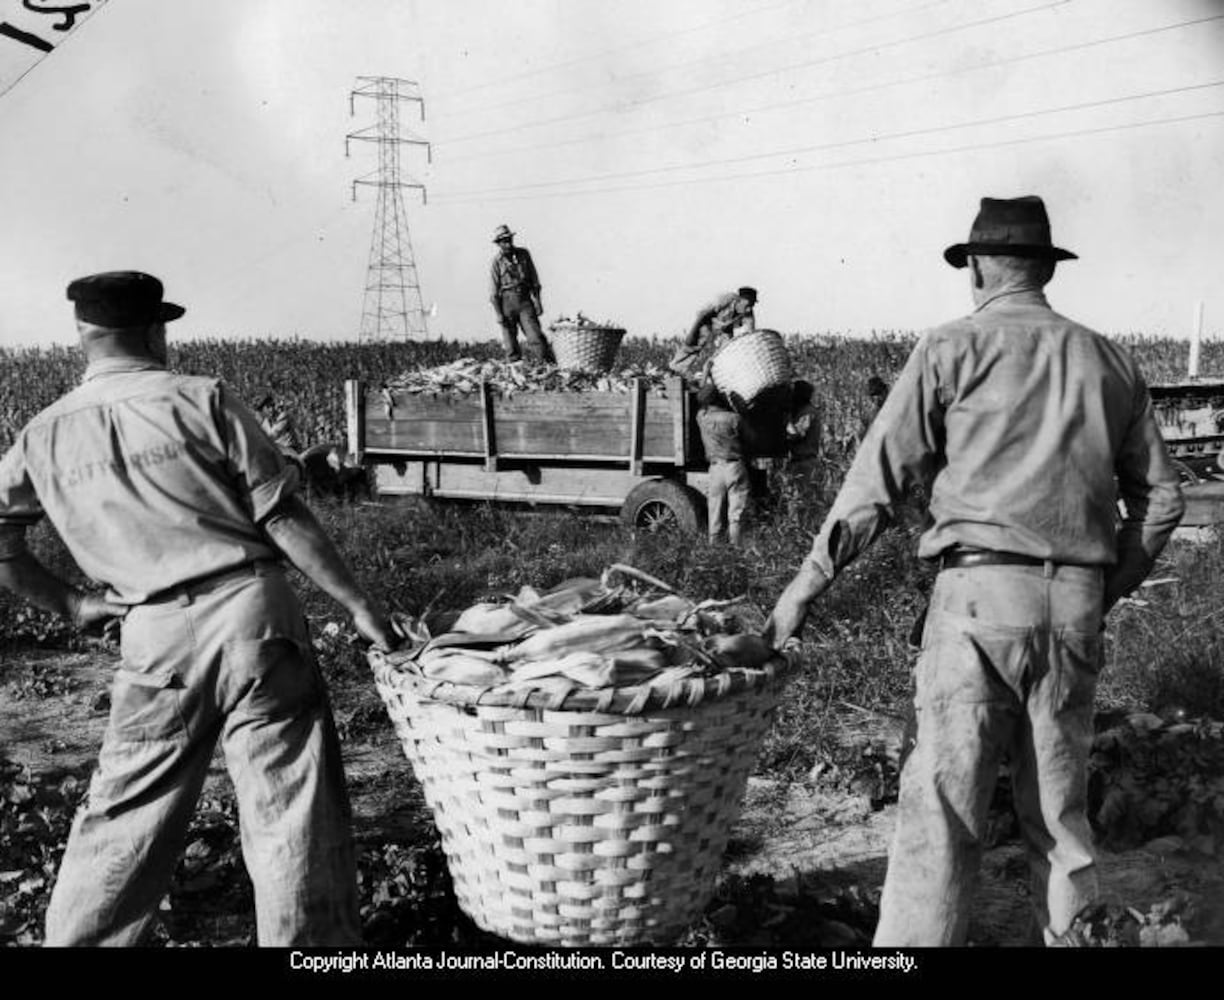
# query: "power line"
1075,133
707,59
849,92
756,76
797,150
645,43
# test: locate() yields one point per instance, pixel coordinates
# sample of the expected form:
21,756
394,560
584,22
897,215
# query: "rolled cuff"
267,496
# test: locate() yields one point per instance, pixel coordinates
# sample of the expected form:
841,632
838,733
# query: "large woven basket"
598,821
749,364
585,348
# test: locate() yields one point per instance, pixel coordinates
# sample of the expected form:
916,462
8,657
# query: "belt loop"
1048,568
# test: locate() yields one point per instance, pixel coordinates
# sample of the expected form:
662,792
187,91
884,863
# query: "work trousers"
519,311
727,492
1009,665
228,659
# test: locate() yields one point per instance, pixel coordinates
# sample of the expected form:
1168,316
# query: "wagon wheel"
662,505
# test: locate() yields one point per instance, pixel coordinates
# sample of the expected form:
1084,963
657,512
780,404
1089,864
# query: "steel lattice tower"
392,303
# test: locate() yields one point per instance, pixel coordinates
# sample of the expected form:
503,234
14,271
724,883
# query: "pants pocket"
146,704
274,678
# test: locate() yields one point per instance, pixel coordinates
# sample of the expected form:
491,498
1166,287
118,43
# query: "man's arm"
533,279
495,288
1151,494
898,453
294,530
30,580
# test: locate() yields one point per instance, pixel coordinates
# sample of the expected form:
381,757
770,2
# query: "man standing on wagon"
514,291
1025,429
164,488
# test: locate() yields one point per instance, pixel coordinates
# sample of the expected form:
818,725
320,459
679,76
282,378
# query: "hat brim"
957,255
169,311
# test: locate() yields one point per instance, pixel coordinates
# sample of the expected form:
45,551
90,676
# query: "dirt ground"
820,837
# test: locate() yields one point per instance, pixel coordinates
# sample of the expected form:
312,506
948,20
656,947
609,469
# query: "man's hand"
787,618
375,626
86,610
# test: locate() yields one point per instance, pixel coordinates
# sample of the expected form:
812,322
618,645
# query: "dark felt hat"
121,298
747,292
1009,227
503,232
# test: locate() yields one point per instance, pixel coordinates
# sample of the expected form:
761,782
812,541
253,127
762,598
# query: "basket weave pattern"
749,364
580,827
586,348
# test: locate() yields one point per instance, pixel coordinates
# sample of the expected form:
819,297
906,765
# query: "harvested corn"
465,375
616,631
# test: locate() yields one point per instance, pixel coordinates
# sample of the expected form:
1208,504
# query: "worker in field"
1015,421
164,489
516,296
716,322
728,487
803,431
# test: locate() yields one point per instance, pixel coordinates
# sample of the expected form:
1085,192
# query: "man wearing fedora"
164,489
1025,429
716,322
515,293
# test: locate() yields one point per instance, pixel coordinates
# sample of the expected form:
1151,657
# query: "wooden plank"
355,426
637,417
1204,504
580,487
488,426
526,424
676,396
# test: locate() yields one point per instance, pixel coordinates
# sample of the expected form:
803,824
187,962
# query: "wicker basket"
585,348
749,364
598,821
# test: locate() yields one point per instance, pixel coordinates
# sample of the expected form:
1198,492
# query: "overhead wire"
644,43
620,80
876,137
832,95
924,36
1074,133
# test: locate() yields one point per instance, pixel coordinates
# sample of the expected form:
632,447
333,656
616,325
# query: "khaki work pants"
227,659
1009,665
519,311
727,492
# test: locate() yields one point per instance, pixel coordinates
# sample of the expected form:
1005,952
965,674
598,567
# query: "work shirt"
513,272
151,478
720,434
1015,420
725,314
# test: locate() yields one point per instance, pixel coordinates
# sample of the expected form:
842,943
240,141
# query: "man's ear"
977,272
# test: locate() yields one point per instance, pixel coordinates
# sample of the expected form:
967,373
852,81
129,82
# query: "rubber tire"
685,505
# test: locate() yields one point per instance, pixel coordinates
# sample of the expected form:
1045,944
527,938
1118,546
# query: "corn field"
305,378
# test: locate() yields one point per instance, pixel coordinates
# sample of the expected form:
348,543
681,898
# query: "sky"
651,154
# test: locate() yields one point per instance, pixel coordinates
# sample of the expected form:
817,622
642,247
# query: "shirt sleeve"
899,453
529,269
494,281
19,504
1151,496
263,474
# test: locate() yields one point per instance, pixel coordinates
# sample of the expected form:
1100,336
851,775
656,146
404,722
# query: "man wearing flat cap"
1025,429
729,315
164,489
514,290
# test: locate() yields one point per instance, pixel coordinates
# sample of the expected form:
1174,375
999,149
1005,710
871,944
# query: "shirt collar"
113,366
1017,297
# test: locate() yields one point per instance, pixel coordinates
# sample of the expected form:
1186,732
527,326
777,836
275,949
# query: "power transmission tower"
392,303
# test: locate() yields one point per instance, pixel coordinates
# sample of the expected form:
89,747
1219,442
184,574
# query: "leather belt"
965,558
